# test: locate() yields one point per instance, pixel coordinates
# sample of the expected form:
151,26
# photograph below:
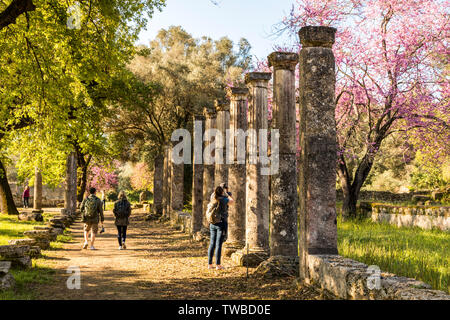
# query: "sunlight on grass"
411,252
39,274
12,228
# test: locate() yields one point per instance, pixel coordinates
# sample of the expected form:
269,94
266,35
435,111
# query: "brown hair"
218,193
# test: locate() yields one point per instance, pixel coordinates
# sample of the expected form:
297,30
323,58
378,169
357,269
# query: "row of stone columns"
266,202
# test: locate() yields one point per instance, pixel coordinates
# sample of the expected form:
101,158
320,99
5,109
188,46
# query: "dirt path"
160,263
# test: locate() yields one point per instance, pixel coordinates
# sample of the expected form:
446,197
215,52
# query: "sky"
250,19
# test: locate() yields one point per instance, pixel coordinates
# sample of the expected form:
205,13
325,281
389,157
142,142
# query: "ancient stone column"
166,183
257,185
197,179
222,124
70,188
177,184
208,169
158,181
283,229
237,170
317,178
37,201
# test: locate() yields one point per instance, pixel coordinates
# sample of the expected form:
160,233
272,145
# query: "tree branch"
14,10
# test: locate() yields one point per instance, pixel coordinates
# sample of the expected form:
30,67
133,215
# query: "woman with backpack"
218,218
122,211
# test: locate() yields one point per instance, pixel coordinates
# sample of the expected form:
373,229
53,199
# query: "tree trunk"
82,180
352,186
7,205
349,203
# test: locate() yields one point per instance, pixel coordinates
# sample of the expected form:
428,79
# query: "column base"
230,248
202,235
278,266
252,259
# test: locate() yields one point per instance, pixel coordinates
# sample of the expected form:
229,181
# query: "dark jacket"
122,205
99,210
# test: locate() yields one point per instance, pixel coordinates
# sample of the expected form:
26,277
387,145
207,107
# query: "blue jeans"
218,232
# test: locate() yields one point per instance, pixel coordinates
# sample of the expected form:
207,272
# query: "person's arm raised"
230,199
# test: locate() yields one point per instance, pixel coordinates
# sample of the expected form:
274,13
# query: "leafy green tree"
174,78
48,69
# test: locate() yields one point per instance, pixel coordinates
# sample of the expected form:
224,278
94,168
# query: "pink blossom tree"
391,62
103,177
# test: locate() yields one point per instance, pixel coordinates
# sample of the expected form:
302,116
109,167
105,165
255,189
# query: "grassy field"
12,228
411,252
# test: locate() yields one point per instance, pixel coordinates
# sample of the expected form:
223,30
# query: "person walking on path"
26,197
218,230
122,212
92,213
104,200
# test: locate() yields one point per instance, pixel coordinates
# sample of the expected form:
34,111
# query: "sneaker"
92,248
210,266
124,246
85,245
120,248
219,268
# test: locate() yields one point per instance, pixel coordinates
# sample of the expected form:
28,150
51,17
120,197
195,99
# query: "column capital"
221,105
283,60
209,112
237,93
258,77
199,116
317,36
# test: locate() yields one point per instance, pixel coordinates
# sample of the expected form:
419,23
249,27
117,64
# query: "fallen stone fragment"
6,279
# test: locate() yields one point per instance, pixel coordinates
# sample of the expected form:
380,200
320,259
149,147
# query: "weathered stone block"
251,260
278,266
4,267
13,251
31,216
6,279
349,279
21,263
40,235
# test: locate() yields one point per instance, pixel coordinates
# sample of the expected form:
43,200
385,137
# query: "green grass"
25,279
410,252
12,228
109,205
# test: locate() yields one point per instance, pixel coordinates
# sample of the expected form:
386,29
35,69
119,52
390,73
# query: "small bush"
112,196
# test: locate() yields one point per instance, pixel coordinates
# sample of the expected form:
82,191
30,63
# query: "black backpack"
121,209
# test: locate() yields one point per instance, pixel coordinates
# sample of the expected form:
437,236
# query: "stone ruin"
20,252
283,224
6,279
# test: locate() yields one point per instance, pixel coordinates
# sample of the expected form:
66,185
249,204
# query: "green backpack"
90,208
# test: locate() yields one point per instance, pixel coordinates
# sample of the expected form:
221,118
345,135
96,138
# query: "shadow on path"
160,263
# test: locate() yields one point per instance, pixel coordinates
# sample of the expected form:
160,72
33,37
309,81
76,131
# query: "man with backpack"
122,212
92,213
